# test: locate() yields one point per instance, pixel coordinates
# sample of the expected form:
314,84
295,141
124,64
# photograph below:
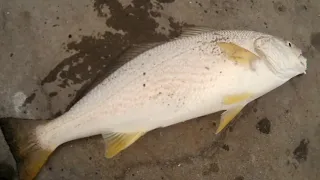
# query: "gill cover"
282,57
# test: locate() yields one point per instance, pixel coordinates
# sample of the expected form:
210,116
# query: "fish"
159,84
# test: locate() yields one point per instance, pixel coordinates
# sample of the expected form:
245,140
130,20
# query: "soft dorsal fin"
116,142
191,31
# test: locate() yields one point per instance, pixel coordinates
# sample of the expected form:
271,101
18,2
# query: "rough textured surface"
52,51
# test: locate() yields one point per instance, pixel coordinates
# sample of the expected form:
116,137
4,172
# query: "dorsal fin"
191,31
137,49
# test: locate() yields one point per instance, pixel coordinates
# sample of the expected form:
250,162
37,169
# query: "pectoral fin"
116,142
227,117
237,53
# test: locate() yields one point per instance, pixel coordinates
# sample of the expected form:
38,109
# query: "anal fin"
227,117
116,142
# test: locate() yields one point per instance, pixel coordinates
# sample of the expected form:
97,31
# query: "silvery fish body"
197,74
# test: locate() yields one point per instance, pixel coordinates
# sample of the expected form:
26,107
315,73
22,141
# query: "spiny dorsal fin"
191,31
116,142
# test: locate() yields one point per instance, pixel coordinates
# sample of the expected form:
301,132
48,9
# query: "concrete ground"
51,52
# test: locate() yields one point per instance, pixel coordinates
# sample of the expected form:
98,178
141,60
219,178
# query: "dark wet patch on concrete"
226,147
199,3
301,152
52,94
315,40
166,1
212,168
264,126
239,178
279,7
95,56
29,99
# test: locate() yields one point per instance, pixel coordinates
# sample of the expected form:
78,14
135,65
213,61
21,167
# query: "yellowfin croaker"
189,76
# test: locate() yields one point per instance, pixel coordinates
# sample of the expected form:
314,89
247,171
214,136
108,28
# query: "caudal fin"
25,147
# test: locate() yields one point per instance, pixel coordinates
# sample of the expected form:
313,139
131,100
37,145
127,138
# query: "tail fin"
25,147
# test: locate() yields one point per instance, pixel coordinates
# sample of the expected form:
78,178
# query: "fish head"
283,57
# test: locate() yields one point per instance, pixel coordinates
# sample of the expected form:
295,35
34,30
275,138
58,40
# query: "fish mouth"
302,73
303,62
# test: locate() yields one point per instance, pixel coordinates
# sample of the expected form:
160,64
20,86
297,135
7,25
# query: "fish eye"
289,44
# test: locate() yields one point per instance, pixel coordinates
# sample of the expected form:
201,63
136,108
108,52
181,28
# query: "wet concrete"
53,52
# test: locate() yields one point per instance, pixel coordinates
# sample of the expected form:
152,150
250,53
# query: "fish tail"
25,146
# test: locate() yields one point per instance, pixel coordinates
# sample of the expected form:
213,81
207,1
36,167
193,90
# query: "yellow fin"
33,163
233,99
237,53
116,142
227,117
26,147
